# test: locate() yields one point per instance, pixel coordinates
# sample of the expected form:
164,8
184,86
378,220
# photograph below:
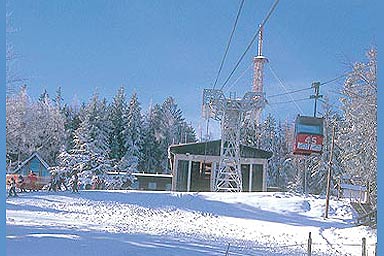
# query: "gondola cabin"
309,134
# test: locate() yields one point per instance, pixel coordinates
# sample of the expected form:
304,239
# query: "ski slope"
164,223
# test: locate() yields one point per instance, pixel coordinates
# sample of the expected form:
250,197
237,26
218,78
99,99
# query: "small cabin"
37,165
153,181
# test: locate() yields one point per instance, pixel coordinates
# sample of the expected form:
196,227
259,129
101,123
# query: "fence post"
227,251
376,249
309,251
364,247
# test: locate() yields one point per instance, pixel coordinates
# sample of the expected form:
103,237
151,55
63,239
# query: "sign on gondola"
308,135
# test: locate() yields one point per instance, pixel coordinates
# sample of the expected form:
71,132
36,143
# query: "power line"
228,43
309,88
334,79
250,43
289,92
285,89
294,100
221,66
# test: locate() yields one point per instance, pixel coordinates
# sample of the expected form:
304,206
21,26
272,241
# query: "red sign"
307,144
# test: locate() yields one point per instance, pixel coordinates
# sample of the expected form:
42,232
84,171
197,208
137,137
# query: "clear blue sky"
173,47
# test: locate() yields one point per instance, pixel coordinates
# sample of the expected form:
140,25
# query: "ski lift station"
225,165
195,167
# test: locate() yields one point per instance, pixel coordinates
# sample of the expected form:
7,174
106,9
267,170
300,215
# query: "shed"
33,163
37,165
194,166
153,181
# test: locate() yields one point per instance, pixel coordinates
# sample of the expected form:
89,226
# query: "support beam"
189,175
213,175
250,177
265,176
174,173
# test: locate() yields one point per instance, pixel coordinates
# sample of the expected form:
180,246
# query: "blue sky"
160,48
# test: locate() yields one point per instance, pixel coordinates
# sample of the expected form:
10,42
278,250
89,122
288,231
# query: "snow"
174,223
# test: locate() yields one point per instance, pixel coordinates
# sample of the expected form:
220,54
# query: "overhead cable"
228,43
242,74
289,101
250,43
285,89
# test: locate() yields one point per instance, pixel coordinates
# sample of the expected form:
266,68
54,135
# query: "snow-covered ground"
164,223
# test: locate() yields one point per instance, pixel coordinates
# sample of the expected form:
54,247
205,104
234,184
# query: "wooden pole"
329,174
227,251
364,247
309,251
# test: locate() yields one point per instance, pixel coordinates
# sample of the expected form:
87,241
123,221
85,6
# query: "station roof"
212,148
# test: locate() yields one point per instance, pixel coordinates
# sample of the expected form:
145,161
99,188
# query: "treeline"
96,136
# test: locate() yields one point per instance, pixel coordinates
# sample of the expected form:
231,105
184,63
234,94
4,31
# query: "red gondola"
309,135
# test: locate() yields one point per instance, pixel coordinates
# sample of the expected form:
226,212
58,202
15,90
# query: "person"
75,180
33,179
61,181
21,183
95,183
12,189
53,183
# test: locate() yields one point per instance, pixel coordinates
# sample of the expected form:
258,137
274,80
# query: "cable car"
309,134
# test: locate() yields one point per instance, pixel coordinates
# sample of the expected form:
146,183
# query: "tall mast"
258,75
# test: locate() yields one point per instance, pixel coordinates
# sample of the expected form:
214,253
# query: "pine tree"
152,137
133,136
118,119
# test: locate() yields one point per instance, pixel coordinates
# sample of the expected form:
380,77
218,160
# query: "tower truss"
231,112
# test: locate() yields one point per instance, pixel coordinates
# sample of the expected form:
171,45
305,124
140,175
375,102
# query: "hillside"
163,223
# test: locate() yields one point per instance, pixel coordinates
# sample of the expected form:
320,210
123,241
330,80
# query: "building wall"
154,183
36,166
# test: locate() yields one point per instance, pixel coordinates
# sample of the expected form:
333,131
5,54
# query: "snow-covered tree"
118,119
12,74
17,115
133,136
358,134
33,127
152,140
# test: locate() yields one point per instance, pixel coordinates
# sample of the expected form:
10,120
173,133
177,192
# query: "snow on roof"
353,187
163,175
28,159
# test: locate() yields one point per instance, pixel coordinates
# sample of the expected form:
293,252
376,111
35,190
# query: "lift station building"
194,165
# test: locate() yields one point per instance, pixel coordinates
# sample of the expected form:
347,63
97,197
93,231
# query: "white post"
189,175
174,172
265,176
250,177
213,175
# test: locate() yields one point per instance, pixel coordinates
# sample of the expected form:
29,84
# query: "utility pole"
329,174
316,86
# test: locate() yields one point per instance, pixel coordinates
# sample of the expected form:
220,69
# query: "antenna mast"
258,76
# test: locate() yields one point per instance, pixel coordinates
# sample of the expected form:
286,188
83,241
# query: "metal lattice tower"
231,112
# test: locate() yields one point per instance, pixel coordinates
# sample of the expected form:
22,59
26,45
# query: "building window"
152,185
